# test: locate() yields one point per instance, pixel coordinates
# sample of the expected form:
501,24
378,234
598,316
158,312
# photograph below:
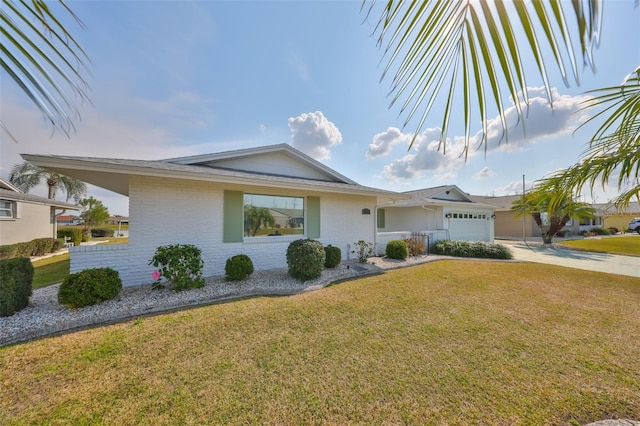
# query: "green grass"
54,270
51,270
628,246
450,342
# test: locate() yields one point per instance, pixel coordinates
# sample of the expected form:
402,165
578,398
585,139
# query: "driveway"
562,256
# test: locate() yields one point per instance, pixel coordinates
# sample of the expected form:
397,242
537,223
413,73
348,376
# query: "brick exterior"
171,211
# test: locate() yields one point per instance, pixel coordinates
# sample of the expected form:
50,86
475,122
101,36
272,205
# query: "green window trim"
381,218
233,217
312,225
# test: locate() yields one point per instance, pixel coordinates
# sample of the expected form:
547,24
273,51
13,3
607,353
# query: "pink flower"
156,275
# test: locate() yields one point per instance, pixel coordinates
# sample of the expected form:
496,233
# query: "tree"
613,150
476,43
27,176
257,217
43,59
94,213
550,218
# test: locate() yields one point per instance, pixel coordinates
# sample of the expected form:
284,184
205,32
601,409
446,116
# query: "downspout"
55,221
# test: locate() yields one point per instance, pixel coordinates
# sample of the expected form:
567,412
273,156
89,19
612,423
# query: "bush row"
477,249
36,247
71,232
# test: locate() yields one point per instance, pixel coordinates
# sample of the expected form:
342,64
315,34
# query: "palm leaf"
432,35
44,60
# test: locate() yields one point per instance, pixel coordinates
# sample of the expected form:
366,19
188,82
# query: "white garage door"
469,226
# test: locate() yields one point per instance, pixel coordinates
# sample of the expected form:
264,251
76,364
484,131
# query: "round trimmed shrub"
89,287
16,277
333,256
397,249
238,267
305,259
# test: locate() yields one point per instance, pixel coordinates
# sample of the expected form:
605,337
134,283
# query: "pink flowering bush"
179,264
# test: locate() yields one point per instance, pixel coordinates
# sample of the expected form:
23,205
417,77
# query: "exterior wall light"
448,215
493,216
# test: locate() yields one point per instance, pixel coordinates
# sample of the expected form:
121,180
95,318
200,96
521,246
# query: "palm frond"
44,60
433,37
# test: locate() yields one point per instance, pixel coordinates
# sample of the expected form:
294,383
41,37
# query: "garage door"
469,226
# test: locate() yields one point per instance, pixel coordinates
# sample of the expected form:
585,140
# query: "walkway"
563,256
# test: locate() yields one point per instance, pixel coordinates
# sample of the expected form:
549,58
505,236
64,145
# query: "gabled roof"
500,203
4,184
271,159
113,174
445,195
6,194
610,209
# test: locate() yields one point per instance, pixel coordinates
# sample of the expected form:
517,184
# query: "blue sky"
176,78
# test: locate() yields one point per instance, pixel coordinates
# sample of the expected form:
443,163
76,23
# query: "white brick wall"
168,211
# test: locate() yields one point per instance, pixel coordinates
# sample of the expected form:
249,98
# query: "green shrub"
415,246
363,250
180,264
477,249
333,256
8,251
238,267
58,244
101,232
89,287
305,259
396,249
43,246
16,277
26,249
74,233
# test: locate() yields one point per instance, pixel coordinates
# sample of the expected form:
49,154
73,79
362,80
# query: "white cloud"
299,67
484,173
383,142
540,121
314,135
425,156
513,188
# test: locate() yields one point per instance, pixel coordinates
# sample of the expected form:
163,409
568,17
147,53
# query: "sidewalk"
563,256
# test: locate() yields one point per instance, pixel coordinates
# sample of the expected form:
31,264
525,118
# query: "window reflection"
272,215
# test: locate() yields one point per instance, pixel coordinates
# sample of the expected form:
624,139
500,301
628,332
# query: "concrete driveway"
562,256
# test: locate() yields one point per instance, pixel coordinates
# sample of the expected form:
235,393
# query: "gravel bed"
45,316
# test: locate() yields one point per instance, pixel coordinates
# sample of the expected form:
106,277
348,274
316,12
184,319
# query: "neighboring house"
68,220
507,225
619,219
25,217
433,214
209,192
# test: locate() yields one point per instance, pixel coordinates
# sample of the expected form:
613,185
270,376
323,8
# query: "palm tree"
27,176
43,59
481,45
550,218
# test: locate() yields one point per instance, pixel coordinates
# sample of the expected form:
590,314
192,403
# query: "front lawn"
628,246
450,342
51,270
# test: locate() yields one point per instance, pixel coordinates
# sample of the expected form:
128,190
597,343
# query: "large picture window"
273,215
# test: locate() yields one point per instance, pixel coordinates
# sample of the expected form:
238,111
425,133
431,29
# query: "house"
618,218
508,225
67,220
434,214
25,217
210,192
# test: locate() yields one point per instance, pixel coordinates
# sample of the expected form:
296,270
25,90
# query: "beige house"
25,217
619,219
